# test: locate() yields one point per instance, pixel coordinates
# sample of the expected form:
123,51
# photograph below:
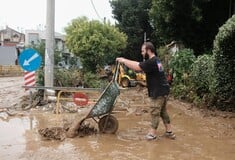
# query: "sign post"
29,79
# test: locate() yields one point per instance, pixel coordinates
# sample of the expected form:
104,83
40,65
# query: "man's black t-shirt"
156,80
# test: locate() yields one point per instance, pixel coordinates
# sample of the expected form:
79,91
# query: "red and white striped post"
29,79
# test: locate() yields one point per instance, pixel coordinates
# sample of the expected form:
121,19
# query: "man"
158,88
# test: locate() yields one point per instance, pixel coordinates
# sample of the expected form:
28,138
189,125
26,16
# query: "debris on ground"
10,112
86,130
33,100
59,133
56,133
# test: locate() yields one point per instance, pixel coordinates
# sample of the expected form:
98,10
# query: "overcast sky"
31,14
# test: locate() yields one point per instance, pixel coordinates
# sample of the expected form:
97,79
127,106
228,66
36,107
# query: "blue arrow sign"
30,60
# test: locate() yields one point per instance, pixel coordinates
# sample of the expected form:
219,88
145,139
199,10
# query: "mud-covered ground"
201,134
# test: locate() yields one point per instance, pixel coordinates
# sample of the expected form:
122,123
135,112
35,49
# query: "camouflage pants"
158,109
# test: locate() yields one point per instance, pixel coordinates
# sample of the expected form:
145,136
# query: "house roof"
10,29
8,55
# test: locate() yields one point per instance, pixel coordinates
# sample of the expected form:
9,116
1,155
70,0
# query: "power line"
95,10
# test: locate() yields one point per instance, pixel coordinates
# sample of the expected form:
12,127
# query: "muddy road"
11,91
200,134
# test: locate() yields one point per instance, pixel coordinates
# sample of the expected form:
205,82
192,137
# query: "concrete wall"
8,55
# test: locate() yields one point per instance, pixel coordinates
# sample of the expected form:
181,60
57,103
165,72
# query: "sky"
31,14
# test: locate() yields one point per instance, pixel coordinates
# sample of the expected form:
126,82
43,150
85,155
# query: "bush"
91,80
202,81
181,63
62,77
202,75
40,77
224,49
67,78
72,78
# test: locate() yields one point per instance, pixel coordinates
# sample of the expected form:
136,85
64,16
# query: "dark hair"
150,46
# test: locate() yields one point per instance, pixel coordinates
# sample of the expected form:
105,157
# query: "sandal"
150,137
170,135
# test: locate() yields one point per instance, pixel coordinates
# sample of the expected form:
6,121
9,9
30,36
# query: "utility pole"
233,8
145,37
230,9
49,50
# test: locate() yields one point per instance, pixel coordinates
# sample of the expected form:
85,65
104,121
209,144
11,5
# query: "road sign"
80,99
30,60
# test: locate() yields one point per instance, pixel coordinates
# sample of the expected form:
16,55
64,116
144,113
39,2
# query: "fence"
11,70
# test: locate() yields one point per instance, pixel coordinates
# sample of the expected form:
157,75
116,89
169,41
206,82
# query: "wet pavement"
199,135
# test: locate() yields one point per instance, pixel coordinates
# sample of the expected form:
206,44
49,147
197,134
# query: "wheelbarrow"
101,111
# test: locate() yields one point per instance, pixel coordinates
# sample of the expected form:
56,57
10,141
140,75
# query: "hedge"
224,52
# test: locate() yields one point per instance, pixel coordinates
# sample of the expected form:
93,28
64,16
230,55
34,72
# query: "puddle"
197,138
14,136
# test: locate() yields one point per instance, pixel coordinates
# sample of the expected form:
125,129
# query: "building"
34,37
11,37
13,42
10,40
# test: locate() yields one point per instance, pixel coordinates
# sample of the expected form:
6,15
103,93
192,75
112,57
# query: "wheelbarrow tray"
105,103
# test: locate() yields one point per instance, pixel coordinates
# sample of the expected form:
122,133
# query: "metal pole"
145,37
49,50
233,11
230,9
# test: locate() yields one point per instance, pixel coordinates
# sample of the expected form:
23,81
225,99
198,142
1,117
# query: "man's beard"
145,57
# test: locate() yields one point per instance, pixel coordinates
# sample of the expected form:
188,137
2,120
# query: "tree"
173,20
194,22
133,19
95,43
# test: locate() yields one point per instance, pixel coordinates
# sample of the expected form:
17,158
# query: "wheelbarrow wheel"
108,124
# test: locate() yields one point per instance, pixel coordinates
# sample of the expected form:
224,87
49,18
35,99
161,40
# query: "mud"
204,135
11,91
59,133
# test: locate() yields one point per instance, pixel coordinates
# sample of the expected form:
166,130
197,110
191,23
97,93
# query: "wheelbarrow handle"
116,72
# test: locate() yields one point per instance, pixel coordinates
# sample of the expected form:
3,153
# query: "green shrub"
67,78
91,80
202,75
224,52
72,78
40,77
181,63
62,77
202,81
180,91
